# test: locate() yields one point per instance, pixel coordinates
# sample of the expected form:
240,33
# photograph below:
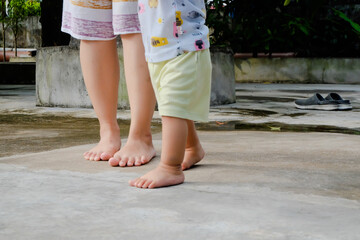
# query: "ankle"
109,132
194,146
109,127
175,169
143,136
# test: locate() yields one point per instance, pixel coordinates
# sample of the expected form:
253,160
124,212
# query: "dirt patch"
272,126
21,133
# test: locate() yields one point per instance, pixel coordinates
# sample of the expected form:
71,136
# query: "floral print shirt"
172,27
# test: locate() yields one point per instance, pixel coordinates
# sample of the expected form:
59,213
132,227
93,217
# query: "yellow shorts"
182,85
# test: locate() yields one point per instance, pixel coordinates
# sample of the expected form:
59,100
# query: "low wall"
59,80
223,77
298,70
29,36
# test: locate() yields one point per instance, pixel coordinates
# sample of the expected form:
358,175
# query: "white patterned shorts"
100,19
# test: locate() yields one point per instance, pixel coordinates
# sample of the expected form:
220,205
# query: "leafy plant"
306,27
219,22
16,14
287,2
253,26
33,7
342,15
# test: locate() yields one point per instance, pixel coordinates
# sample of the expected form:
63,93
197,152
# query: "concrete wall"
223,77
298,70
29,36
59,80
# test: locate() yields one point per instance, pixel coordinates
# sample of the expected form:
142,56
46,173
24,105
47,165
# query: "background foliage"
321,28
16,12
33,7
12,14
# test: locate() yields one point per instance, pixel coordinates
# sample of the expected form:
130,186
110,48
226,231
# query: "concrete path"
251,185
260,104
257,104
254,185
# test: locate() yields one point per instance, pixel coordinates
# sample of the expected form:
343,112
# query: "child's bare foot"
110,143
192,156
135,153
162,176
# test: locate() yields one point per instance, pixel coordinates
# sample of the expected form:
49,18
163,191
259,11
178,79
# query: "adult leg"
168,172
100,67
139,148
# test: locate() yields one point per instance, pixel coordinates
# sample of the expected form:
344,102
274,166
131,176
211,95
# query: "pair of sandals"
332,101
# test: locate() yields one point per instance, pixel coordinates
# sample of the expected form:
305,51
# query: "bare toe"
143,159
114,162
97,157
151,185
133,182
86,155
91,156
137,161
140,183
147,184
123,162
105,156
130,162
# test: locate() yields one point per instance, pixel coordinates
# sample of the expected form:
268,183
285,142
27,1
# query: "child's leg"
169,171
100,67
139,148
194,152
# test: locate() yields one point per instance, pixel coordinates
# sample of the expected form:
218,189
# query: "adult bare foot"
192,156
136,152
109,144
162,176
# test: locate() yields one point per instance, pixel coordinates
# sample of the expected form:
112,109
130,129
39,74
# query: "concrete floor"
251,184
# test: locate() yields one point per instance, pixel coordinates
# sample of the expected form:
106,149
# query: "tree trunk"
15,46
15,38
3,16
4,49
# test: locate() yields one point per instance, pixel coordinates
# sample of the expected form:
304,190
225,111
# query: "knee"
100,43
91,41
130,36
84,43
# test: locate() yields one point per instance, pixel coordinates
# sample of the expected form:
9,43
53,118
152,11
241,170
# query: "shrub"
33,7
309,28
